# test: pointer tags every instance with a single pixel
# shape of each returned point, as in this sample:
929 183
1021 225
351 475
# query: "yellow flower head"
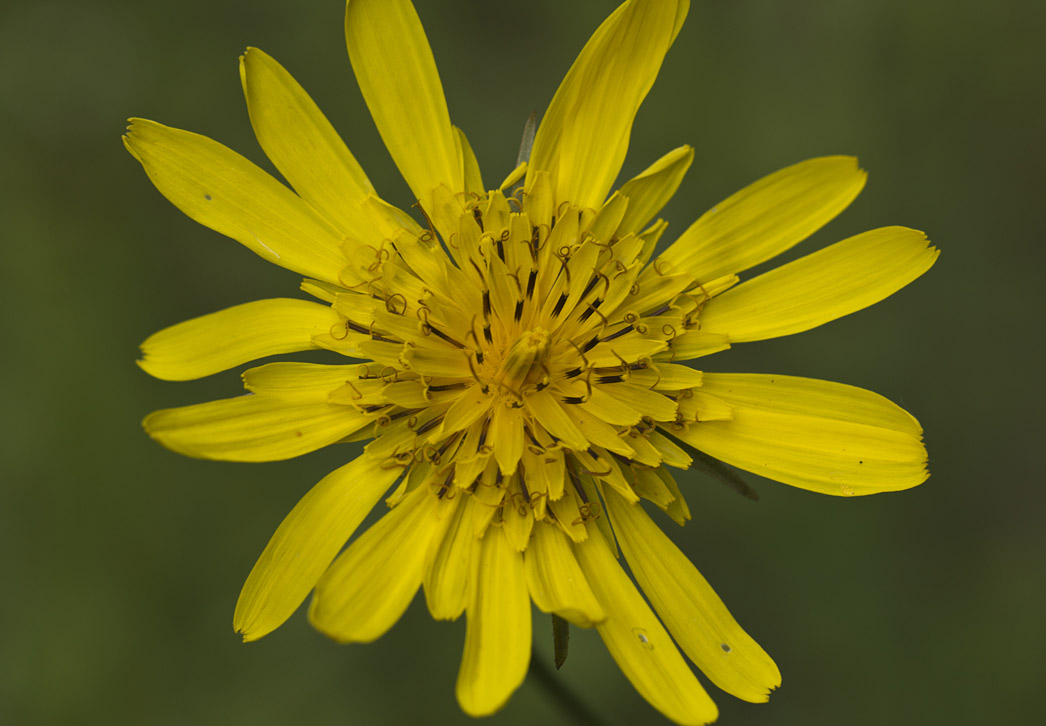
521 381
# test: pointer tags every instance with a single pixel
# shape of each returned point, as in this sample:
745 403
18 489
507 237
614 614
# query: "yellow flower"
522 377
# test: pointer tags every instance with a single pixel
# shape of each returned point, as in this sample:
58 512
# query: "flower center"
525 361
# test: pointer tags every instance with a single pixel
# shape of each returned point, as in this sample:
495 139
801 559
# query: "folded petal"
306 542
470 165
650 190
638 642
313 382
449 561
693 613
225 339
828 284
766 218
555 580
254 427
826 437
584 135
302 144
497 637
224 191
369 586
397 74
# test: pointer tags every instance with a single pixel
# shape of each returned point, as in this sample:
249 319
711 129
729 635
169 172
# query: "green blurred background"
122 562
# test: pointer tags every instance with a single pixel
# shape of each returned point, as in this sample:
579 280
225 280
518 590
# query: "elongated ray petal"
397 75
306 543
817 435
227 338
369 586
224 191
836 281
690 608
314 159
584 135
767 217
650 190
637 641
497 638
254 427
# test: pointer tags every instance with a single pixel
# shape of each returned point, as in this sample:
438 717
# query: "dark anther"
559 304
590 309
602 379
590 286
441 334
448 386
429 425
519 310
573 399
486 303
487 335
573 373
530 283
618 334
590 344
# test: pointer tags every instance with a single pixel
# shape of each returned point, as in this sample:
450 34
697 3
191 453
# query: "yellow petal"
766 218
693 613
555 580
650 190
638 642
506 437
227 338
548 412
306 543
397 74
224 191
369 586
497 638
254 427
817 435
473 177
448 562
305 148
305 381
584 135
836 281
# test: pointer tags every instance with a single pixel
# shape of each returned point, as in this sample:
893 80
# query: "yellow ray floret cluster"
517 361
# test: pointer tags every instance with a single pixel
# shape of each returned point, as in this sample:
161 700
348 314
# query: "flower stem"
577 712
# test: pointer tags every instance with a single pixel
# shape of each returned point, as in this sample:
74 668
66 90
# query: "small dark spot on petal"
207 197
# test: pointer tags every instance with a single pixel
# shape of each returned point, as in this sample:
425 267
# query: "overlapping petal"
497 637
766 218
306 543
827 437
255 427
369 586
314 159
637 640
690 609
828 284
